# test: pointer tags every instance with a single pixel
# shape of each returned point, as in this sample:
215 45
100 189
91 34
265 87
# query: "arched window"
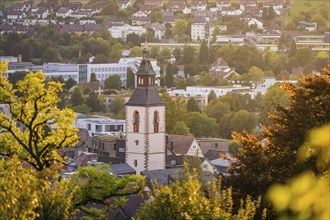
136 121
156 121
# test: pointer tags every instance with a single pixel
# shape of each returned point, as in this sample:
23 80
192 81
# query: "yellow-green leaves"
35 128
307 196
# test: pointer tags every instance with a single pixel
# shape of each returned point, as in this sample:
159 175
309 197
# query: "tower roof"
145 94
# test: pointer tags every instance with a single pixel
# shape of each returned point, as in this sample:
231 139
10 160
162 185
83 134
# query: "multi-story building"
199 29
100 124
66 71
102 72
121 32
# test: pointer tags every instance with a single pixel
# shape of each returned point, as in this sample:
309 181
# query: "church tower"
145 122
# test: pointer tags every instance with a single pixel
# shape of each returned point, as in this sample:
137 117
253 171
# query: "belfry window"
156 121
136 121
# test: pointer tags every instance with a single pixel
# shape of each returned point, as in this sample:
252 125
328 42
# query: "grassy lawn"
298 6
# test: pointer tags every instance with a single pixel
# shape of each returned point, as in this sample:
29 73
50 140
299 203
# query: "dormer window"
136 121
156 121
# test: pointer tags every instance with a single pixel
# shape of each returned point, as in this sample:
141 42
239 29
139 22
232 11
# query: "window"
121 150
98 128
137 142
136 121
114 147
216 146
205 166
89 127
156 121
135 163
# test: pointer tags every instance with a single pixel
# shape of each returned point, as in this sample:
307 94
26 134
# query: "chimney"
19 58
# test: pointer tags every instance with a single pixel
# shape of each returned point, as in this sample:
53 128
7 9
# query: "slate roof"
162 176
145 97
122 169
181 143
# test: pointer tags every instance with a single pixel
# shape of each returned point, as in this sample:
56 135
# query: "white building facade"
145 123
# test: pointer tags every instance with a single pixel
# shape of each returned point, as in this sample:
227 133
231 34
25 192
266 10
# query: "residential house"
215 144
147 8
199 5
63 12
124 3
140 21
223 3
222 166
220 69
168 17
40 13
255 22
16 15
230 11
81 14
176 5
155 3
208 15
183 145
140 14
199 29
308 26
103 145
244 4
159 29
22 6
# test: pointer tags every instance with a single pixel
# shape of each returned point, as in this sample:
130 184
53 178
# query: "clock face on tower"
145 122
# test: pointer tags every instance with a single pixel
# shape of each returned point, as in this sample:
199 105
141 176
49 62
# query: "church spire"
145 49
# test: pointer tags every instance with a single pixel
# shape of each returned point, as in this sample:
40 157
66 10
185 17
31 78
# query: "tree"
77 97
304 56
136 51
110 9
203 53
94 102
260 164
180 128
130 79
35 109
113 82
99 186
274 97
243 120
13 179
116 50
184 199
285 196
217 109
93 78
134 39
176 110
211 96
256 75
188 54
51 55
156 15
180 28
200 125
192 105
16 76
169 78
69 83
117 105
